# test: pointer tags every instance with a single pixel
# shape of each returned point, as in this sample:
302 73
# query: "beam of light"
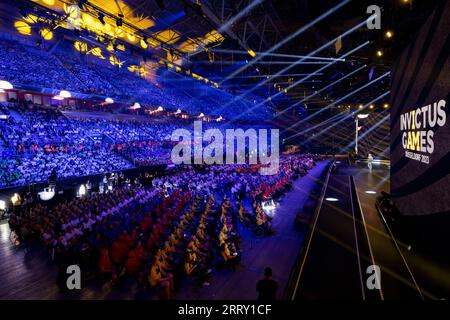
305 78
231 21
341 99
289 38
279 55
343 119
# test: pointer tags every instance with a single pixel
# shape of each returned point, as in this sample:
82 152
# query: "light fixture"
109 100
58 98
251 53
47 194
360 106
385 106
65 94
5 85
379 53
371 106
160 109
178 111
201 115
136 105
370 192
363 115
331 199
219 119
389 34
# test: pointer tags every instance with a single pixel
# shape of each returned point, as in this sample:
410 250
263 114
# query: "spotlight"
389 34
360 106
331 199
370 192
371 106
379 53
363 115
385 106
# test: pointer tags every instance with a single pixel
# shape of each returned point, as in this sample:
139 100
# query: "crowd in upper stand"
66 69
38 140
179 224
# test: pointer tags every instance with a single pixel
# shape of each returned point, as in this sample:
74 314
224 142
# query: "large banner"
420 138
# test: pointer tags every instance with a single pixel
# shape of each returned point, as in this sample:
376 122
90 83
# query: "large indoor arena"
228 150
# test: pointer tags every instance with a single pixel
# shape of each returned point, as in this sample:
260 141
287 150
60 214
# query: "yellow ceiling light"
47 34
23 27
389 34
143 44
379 53
386 106
371 106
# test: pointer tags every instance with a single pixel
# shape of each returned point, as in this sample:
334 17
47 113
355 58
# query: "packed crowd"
182 225
67 69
